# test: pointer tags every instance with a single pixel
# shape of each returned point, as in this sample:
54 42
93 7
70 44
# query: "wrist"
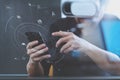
87 47
32 62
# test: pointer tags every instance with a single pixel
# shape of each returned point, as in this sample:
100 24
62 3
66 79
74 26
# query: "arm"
34 69
35 66
105 60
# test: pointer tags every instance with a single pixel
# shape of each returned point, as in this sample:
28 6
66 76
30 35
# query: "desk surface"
58 78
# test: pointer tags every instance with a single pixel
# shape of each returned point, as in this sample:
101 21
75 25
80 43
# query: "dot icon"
53 13
29 4
18 17
39 21
23 44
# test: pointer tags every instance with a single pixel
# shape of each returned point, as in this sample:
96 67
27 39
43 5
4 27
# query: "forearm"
34 69
104 59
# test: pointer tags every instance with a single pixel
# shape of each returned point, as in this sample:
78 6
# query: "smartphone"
32 36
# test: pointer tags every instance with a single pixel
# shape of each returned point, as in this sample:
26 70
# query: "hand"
72 41
36 52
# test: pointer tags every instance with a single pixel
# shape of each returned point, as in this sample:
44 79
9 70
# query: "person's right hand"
36 53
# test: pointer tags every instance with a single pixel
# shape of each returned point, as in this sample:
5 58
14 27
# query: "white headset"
79 8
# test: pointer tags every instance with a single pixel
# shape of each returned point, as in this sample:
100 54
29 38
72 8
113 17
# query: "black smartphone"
32 36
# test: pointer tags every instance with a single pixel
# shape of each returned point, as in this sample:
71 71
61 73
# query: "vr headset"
79 8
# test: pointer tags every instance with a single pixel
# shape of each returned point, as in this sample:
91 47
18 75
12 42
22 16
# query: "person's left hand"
72 42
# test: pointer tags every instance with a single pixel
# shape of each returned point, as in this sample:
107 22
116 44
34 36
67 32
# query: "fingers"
38 55
63 40
68 50
40 46
68 47
33 50
39 59
66 36
64 47
61 33
40 52
31 44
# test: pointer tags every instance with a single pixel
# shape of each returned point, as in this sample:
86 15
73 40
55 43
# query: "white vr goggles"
79 8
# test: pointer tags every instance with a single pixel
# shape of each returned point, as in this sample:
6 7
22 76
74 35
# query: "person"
94 62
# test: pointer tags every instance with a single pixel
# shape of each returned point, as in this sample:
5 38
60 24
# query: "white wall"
113 7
